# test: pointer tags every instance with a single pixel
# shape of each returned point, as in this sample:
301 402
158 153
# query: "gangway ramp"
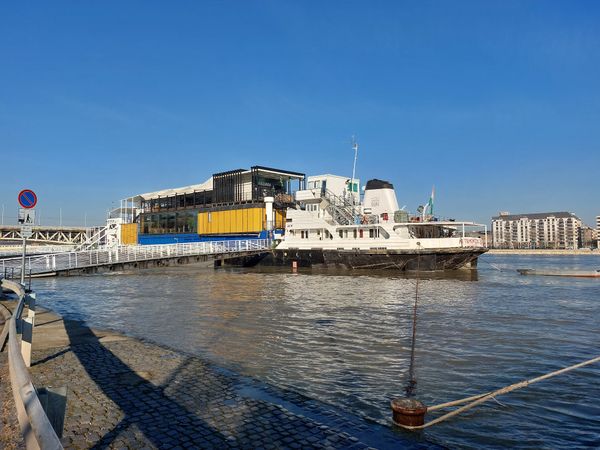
130 256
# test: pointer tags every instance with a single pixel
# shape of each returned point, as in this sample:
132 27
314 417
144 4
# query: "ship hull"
425 260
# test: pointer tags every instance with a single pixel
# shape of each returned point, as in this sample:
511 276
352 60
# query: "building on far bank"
552 230
598 231
588 237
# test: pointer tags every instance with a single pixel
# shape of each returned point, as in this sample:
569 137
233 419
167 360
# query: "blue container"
154 239
182 238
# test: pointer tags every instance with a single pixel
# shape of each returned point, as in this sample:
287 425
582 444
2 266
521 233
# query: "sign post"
27 200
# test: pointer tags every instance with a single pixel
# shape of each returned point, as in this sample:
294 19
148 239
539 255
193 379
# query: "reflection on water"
345 339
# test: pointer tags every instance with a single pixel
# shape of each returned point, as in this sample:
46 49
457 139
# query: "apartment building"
553 230
588 237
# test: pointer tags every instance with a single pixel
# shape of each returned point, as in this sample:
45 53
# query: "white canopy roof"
206 186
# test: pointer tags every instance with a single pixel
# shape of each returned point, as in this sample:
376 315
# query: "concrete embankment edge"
544 252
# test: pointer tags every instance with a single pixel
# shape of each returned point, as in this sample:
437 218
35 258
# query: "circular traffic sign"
27 198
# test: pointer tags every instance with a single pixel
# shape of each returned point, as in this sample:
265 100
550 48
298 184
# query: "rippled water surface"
345 338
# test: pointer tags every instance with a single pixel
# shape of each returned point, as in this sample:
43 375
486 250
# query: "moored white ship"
331 230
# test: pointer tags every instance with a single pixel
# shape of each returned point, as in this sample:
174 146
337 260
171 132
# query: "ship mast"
355 148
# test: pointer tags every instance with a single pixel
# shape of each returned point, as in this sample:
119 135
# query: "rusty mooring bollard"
408 412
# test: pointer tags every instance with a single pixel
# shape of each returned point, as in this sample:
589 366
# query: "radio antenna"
355 148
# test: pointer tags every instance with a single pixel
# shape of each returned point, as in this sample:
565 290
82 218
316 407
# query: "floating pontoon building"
236 204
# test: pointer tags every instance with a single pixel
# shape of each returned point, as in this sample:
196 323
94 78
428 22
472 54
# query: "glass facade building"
176 211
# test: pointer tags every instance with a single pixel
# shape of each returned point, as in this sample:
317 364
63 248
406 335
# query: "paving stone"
128 394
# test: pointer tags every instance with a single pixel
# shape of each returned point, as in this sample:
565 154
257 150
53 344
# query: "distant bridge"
130 256
48 235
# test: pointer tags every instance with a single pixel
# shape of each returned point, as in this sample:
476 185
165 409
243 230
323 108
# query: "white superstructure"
305 231
335 224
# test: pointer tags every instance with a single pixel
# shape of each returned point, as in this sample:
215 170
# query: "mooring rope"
412 382
478 399
500 269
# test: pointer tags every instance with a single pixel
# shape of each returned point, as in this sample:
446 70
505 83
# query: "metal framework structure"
48 235
88 259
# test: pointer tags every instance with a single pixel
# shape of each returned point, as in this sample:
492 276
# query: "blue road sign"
27 198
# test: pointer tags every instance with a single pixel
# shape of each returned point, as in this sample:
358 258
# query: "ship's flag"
430 202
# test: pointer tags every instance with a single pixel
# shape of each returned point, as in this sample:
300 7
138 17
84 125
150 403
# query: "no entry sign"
27 198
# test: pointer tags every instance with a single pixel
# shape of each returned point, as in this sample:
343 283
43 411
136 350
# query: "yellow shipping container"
129 232
226 218
232 221
255 216
279 219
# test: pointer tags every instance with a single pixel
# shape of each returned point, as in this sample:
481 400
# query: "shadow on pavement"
163 421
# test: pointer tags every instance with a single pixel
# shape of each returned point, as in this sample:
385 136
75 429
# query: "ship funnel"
380 197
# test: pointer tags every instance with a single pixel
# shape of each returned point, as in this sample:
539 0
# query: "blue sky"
497 104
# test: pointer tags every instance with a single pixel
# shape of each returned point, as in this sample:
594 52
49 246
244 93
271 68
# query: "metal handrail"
9 251
126 254
94 239
35 425
340 208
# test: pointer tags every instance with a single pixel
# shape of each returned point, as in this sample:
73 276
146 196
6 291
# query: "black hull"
426 260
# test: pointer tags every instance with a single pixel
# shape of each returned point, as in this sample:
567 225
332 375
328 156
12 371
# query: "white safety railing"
11 267
34 423
12 250
94 240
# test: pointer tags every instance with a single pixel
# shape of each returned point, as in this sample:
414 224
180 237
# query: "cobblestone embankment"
124 393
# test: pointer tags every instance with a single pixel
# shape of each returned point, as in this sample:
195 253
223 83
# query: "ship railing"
337 200
342 210
126 254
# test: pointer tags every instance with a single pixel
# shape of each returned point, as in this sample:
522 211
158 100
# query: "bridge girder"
47 235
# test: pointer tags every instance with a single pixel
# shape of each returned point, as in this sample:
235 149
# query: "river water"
344 338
